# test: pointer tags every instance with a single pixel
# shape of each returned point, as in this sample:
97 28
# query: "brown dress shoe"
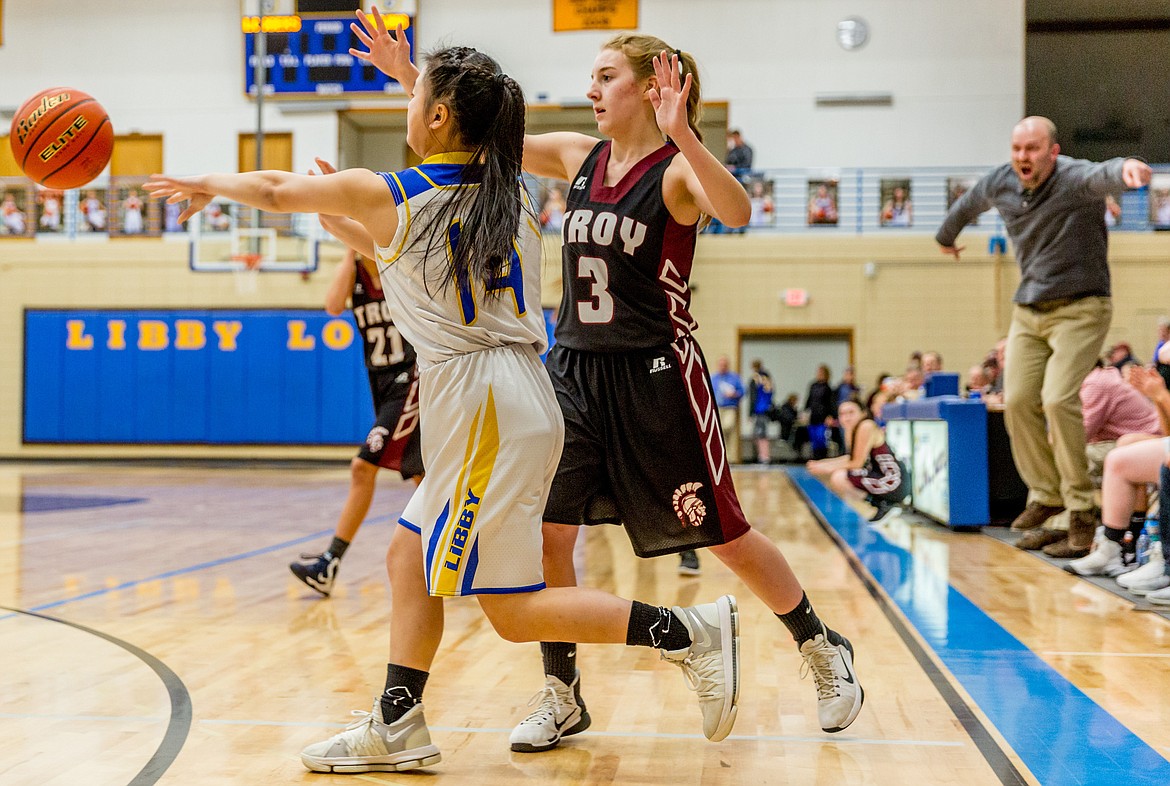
1039 538
1082 525
1034 515
1064 549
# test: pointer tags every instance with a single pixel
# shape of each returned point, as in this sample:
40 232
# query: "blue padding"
966 468
1061 734
942 383
44 348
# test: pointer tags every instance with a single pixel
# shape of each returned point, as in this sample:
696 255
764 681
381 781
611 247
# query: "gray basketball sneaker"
711 663
372 745
561 713
839 694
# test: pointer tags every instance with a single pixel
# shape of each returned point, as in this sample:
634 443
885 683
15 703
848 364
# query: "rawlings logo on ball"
687 505
26 125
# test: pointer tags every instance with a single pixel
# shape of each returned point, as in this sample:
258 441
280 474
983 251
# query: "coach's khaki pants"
1049 354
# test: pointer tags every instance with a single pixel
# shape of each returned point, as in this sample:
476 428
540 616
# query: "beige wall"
915 299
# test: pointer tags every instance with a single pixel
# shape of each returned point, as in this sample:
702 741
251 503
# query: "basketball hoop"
246 273
249 261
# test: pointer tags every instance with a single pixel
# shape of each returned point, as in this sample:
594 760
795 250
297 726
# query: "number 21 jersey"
626 261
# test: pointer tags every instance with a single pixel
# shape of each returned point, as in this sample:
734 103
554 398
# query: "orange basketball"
62 138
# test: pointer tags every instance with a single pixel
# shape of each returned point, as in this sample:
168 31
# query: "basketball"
61 138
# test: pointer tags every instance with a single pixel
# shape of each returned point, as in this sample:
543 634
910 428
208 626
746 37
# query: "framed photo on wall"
133 213
16 214
1160 200
50 205
956 187
897 210
93 214
763 209
822 203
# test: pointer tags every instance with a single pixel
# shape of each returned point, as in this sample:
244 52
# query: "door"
278 152
792 358
137 155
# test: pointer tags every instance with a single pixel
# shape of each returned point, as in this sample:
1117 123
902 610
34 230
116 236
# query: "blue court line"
192 568
1060 734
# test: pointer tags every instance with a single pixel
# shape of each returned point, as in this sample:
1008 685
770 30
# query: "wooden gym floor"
151 633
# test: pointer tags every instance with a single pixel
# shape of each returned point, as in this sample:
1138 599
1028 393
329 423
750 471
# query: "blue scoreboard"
308 52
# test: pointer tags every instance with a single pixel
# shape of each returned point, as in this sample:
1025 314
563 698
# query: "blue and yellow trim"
453 554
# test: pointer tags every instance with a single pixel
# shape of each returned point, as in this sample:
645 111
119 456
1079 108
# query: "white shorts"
492 434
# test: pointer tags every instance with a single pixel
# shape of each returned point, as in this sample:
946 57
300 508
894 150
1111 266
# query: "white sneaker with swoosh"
561 713
711 663
372 745
839 694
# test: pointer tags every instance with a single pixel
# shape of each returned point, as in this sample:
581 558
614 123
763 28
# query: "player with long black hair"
458 248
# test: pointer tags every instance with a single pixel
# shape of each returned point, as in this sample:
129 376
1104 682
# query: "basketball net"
247 273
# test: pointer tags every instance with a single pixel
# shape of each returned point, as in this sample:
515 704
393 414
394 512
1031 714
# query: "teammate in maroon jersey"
393 441
643 445
642 436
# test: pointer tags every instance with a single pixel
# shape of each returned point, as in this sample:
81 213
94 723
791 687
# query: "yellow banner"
594 15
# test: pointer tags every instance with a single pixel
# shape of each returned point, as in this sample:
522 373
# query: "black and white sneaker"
317 571
882 508
561 713
688 563
839 694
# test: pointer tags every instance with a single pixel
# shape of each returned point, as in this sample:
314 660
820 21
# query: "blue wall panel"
172 377
44 347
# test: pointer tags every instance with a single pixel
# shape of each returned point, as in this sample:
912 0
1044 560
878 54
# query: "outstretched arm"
357 193
705 185
965 210
348 231
558 154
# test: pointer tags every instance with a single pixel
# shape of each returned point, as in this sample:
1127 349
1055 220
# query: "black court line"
179 724
992 752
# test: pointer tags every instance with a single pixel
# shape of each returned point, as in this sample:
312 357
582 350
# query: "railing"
794 201
863 201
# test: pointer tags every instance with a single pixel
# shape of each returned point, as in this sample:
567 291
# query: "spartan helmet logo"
376 439
687 505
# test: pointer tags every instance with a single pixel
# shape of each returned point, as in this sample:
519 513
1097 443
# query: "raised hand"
180 189
326 167
1135 173
669 99
1147 380
954 251
390 54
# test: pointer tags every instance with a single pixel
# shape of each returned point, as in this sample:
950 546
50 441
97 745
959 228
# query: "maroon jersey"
626 260
385 348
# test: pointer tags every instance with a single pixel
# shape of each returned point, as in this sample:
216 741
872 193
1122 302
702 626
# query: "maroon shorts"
393 441
643 447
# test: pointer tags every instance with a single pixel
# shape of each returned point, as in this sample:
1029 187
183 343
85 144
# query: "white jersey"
451 321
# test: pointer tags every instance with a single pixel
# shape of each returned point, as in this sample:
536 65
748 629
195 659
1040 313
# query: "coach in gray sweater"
1054 209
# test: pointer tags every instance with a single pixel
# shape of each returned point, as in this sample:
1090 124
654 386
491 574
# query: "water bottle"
1154 535
1143 545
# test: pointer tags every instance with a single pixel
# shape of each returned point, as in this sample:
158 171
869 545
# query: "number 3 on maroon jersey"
598 310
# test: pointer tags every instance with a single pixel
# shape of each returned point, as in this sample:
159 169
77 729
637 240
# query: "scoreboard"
308 50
